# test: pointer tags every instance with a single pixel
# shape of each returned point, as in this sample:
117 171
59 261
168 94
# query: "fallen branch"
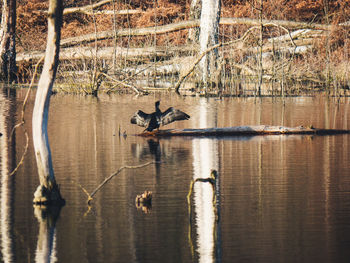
101 12
90 196
267 23
76 53
82 9
130 32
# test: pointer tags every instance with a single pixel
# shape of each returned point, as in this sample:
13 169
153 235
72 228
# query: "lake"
279 198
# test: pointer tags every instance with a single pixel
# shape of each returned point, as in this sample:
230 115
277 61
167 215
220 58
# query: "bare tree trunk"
48 191
195 13
8 67
261 72
209 31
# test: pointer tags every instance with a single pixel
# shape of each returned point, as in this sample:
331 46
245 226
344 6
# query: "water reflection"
152 148
205 158
46 244
7 190
281 198
160 151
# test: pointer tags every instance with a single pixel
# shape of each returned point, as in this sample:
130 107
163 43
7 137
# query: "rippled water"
280 198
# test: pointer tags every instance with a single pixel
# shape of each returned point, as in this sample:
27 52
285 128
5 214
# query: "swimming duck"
154 120
144 198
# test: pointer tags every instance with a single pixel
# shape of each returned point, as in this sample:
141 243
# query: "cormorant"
154 120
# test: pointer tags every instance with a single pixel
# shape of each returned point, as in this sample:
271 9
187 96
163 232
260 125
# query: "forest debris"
163 29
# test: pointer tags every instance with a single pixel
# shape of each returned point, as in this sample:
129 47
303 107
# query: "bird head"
157 104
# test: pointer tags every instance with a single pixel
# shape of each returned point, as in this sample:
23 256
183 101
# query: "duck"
154 120
144 199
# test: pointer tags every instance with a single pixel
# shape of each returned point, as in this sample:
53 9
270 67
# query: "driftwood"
244 131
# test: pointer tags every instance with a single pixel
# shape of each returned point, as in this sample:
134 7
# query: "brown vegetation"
324 63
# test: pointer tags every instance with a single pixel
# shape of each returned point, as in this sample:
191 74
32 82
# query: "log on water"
244 131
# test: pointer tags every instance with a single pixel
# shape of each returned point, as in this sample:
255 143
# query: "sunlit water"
280 198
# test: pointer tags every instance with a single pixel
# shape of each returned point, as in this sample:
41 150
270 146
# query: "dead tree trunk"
48 191
209 32
7 41
195 13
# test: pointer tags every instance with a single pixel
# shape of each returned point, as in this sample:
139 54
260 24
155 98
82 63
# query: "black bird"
154 120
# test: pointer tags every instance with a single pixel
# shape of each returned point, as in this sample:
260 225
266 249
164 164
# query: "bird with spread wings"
158 118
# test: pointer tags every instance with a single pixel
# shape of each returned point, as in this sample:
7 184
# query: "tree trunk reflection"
7 163
205 158
46 245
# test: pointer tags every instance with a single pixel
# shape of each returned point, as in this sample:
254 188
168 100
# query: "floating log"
243 131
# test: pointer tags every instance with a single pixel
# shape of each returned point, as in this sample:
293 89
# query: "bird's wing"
140 118
172 114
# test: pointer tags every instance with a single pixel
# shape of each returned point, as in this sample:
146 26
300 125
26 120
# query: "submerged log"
244 131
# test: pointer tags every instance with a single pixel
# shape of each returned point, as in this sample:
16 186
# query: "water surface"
280 198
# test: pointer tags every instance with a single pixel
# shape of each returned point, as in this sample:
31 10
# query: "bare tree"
8 67
48 190
209 32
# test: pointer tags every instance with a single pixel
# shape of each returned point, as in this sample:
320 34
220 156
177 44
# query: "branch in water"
90 196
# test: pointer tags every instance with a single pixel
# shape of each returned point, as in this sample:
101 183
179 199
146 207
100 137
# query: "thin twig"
285 29
84 190
90 196
123 83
